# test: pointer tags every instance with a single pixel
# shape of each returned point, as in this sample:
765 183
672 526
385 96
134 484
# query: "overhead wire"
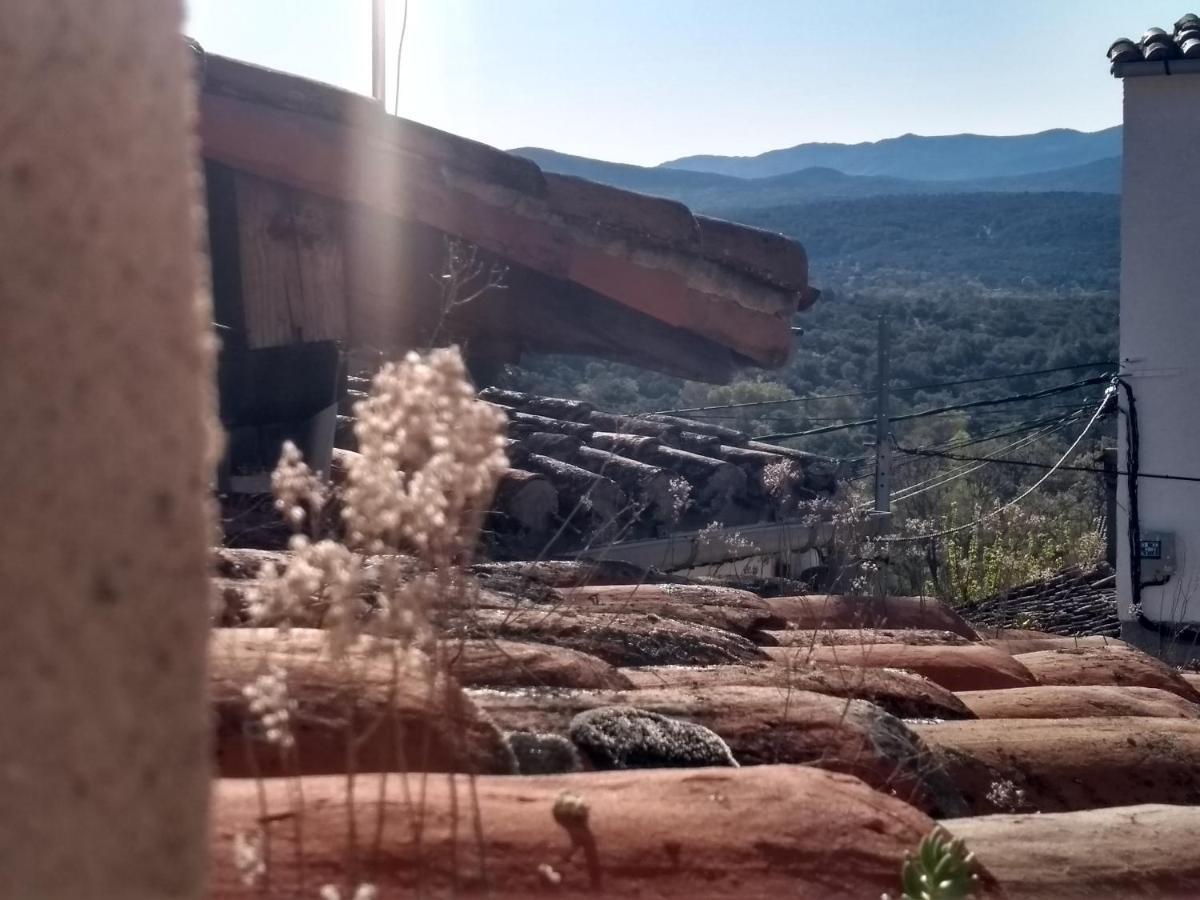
895 390
1036 465
1015 428
944 478
789 417
1020 497
937 411
1037 428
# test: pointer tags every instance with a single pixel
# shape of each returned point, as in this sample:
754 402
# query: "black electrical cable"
1179 633
1133 532
1026 427
1077 410
1036 465
894 390
1016 500
785 417
943 478
974 404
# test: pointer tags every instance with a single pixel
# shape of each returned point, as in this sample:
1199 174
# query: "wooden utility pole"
883 443
1110 505
378 52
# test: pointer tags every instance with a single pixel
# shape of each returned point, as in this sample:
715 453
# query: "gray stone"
625 737
543 754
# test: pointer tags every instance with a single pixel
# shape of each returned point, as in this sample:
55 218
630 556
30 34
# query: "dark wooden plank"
291 247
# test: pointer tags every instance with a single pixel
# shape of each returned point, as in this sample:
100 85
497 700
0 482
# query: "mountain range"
938 158
1056 160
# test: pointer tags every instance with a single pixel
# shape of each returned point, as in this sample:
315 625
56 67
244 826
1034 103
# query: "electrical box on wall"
1157 552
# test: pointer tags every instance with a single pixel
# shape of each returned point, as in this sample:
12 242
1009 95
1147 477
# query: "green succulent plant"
940 870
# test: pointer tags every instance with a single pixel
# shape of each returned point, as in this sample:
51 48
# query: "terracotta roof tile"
1159 52
583 477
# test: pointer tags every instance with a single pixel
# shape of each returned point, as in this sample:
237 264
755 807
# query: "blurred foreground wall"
105 448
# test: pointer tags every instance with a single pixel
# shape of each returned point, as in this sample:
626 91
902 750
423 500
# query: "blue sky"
644 81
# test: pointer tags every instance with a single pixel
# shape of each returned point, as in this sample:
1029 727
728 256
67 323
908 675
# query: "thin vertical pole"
883 444
378 52
1110 505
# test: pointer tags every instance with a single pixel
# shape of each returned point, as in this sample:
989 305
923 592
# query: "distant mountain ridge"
1047 229
715 193
924 158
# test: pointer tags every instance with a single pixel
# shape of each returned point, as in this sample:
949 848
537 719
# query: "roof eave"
732 285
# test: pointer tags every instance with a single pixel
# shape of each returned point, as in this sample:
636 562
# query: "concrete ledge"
1141 67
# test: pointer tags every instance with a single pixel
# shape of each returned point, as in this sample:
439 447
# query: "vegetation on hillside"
951 335
1052 244
976 288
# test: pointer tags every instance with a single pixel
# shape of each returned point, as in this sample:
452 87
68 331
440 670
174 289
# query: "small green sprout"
941 870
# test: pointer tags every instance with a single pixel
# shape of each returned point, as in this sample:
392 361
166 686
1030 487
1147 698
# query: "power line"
1014 398
790 417
1016 428
1033 487
894 390
1057 423
1037 465
751 403
1036 427
1088 402
784 417
1028 425
944 478
964 471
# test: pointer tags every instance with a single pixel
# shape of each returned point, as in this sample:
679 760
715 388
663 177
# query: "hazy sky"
649 80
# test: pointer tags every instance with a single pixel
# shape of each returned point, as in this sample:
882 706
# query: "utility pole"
883 440
378 52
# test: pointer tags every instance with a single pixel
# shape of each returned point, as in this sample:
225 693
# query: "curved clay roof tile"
1124 50
1186 23
1189 43
1155 36
1157 50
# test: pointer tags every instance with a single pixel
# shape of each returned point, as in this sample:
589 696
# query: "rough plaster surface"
1160 333
105 412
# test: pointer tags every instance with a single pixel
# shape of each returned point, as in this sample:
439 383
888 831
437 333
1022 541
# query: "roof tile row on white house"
1159 52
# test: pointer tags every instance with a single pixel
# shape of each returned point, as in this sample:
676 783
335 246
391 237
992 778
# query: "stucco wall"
105 457
1160 326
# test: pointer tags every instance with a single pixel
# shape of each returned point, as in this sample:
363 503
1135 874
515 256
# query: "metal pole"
378 52
883 442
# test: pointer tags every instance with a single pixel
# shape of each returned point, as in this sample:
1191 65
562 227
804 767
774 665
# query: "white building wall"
1160 328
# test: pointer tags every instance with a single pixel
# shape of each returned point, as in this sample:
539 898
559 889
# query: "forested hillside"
937 336
1037 241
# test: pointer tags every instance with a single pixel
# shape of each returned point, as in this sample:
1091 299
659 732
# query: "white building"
1160 336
